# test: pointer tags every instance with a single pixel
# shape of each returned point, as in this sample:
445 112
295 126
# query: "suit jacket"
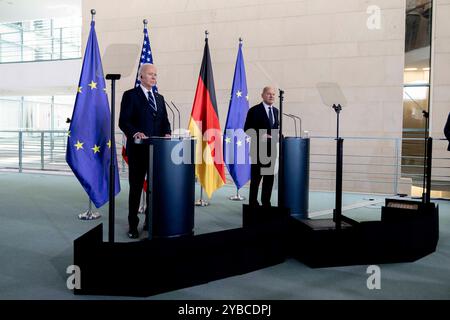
136 115
258 120
447 131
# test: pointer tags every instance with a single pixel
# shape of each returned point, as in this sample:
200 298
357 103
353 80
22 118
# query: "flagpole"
90 214
145 22
237 196
200 202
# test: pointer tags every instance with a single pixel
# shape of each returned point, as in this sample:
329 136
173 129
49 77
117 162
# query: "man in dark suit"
447 131
142 114
261 125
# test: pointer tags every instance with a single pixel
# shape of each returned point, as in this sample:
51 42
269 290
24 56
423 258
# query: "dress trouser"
267 184
138 168
264 172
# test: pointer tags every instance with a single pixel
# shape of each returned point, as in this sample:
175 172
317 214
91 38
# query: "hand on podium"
140 135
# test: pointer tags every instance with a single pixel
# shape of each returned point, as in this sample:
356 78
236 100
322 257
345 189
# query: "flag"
146 57
89 142
205 127
236 145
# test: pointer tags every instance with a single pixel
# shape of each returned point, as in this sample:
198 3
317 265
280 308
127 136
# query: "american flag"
146 56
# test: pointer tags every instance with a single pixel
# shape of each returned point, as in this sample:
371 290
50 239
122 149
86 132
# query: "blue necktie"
271 117
151 101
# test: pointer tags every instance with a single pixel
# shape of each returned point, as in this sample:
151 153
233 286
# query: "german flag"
205 127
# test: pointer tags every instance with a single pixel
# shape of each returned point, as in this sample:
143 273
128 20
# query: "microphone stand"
280 156
337 212
426 181
112 171
425 153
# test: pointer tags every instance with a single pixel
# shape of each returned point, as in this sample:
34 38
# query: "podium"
296 180
171 186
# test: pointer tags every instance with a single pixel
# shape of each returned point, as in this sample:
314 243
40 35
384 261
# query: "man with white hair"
263 120
142 114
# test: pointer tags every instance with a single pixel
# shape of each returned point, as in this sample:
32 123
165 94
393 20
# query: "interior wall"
292 44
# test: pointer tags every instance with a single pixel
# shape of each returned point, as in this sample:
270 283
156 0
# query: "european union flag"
89 144
236 144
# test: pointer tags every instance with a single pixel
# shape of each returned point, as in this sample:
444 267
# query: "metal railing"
373 165
378 164
41 150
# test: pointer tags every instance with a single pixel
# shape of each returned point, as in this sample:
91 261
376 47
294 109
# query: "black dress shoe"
133 234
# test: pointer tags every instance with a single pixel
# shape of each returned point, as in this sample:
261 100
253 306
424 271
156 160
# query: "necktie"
271 117
151 101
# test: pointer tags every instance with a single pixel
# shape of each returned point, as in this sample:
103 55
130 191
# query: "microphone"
173 113
295 122
179 123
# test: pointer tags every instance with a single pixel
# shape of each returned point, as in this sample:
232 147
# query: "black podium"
171 186
296 180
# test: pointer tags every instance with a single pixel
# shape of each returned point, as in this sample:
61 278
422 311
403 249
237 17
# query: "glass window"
40 40
10 113
416 86
63 110
35 112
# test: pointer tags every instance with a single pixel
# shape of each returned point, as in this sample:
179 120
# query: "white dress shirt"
146 93
266 106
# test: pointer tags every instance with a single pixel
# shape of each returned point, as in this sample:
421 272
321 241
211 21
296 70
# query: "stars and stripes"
146 56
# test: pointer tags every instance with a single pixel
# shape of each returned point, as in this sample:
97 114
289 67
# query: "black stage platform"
408 231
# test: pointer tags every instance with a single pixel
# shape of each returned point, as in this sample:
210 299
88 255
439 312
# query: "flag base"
89 215
237 197
201 203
